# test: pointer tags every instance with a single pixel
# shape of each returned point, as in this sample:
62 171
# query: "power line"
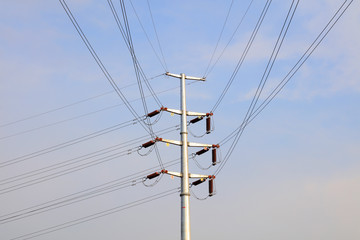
76 103
221 32
84 115
97 215
137 68
127 38
157 36
72 162
244 54
147 37
100 64
83 195
231 38
264 78
57 109
237 133
67 143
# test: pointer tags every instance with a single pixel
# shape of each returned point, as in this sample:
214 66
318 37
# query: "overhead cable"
217 43
100 64
244 54
96 215
231 38
237 133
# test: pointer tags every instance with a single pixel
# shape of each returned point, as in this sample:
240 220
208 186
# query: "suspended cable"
80 116
265 75
137 73
231 38
72 169
99 190
217 43
100 64
238 132
147 37
71 104
68 143
244 54
126 36
157 36
97 215
57 109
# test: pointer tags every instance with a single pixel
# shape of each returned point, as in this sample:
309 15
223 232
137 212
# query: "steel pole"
185 194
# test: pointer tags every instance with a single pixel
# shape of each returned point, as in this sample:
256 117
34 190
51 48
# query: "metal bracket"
192 175
186 77
179 143
190 144
188 113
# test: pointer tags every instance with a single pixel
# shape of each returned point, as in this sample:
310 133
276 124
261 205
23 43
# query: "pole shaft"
185 193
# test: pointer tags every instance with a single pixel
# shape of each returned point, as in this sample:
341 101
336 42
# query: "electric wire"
100 64
70 104
147 37
99 190
157 36
97 215
126 36
66 171
244 54
231 38
125 31
137 72
55 109
67 202
72 162
83 115
67 143
218 41
339 13
265 76
5 163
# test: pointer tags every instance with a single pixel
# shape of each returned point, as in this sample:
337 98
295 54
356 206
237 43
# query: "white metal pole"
185 194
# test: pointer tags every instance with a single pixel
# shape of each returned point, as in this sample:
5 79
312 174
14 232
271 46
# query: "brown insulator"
154 113
214 156
148 144
195 120
204 150
153 175
208 125
201 180
211 187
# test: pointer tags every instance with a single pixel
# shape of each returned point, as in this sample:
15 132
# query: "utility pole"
185 191
184 143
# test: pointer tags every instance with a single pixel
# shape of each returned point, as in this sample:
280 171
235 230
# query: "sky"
294 173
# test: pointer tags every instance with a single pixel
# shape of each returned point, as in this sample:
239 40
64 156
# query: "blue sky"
294 173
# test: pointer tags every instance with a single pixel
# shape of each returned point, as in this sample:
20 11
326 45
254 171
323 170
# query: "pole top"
186 77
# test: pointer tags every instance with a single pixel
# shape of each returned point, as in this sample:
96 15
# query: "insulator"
195 120
202 151
148 144
214 156
208 125
153 175
211 187
201 180
154 113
